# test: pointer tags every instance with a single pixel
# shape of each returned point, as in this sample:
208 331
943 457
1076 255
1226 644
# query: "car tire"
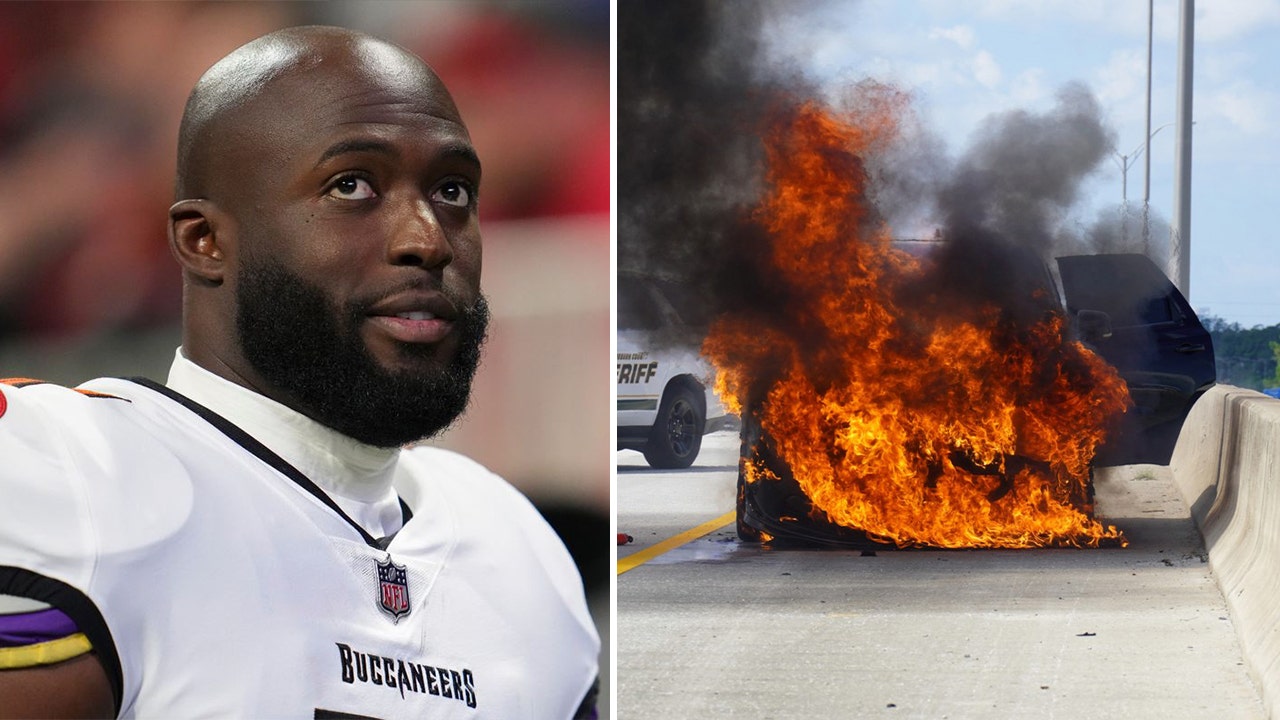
746 533
676 437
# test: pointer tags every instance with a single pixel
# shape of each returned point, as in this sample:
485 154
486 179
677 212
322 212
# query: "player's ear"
199 236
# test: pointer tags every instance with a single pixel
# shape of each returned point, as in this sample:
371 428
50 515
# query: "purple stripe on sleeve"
35 627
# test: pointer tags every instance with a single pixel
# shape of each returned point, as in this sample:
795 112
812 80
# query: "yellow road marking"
643 556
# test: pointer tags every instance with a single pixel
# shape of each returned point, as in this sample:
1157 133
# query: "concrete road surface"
717 629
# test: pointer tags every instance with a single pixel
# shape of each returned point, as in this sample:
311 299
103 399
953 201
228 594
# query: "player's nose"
417 238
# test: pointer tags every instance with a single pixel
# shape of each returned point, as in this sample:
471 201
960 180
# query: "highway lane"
715 628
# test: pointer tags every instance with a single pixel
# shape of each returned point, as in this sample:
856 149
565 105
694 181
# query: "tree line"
1247 357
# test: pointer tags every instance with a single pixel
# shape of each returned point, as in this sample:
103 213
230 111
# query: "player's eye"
454 192
351 187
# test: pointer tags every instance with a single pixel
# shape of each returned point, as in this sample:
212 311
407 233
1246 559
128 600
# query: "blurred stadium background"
90 99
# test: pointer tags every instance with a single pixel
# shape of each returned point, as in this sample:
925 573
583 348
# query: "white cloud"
1123 77
1106 14
1225 65
986 70
1225 20
1243 105
961 35
1028 88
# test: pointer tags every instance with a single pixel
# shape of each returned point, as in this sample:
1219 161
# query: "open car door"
1128 311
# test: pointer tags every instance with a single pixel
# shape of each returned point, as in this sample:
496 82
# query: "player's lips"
415 317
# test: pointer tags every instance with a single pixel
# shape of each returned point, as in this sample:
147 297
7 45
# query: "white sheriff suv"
665 397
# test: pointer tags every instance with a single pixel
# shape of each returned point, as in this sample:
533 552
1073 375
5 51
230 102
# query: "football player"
252 538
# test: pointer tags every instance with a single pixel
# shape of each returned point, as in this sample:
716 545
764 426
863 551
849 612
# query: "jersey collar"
358 475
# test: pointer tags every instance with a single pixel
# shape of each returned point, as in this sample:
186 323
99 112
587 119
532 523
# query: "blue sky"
964 60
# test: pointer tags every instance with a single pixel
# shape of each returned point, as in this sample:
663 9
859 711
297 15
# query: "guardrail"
1227 466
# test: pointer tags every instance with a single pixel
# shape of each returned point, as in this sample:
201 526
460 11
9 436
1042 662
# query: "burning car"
665 402
1125 310
956 400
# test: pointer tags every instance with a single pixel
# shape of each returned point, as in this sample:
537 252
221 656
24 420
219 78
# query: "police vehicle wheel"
676 437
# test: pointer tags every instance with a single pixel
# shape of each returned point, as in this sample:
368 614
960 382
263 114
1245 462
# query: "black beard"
311 352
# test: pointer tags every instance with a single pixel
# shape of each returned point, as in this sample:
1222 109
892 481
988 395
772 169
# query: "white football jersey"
215 580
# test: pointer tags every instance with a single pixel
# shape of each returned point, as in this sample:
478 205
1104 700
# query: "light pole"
1125 161
1146 178
1180 255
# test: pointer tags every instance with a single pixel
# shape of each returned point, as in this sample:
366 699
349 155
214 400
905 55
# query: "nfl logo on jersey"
393 588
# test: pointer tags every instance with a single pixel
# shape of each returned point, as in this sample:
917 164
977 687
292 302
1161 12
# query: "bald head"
252 92
327 227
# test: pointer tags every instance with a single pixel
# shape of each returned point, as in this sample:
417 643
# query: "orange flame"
952 428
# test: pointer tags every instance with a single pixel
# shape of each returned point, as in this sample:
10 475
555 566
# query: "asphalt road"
715 628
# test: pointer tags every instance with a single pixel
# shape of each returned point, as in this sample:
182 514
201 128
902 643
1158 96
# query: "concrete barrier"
1227 466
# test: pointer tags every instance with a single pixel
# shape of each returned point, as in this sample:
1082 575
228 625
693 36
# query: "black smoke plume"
695 95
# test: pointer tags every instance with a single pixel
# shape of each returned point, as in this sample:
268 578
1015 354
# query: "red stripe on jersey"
91 393
25 382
